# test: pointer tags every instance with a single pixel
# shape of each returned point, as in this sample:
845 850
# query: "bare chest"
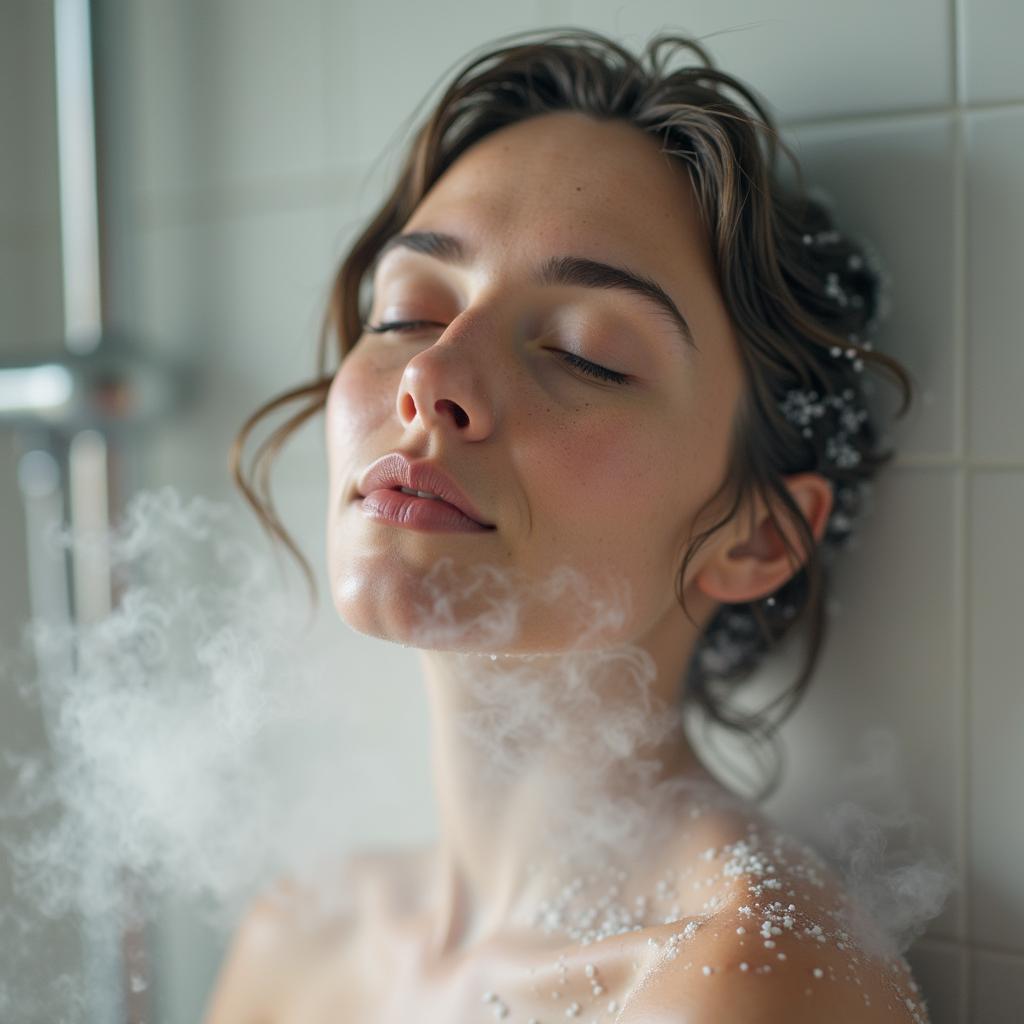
371 982
387 982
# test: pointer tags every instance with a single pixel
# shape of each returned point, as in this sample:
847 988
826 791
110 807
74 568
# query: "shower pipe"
79 420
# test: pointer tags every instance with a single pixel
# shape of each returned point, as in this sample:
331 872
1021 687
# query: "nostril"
459 414
409 407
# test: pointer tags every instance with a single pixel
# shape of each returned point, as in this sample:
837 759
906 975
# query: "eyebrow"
573 271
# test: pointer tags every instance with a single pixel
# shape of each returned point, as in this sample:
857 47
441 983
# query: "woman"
593 429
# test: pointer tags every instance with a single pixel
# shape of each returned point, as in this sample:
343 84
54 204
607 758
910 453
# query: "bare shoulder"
721 980
253 974
289 931
775 944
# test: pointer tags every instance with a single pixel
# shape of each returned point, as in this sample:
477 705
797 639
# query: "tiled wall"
252 140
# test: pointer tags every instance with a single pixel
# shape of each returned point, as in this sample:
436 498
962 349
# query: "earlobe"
745 564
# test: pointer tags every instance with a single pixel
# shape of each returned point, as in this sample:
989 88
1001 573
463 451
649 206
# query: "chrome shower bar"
76 146
74 417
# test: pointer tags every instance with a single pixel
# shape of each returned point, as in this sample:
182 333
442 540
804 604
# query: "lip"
396 470
427 514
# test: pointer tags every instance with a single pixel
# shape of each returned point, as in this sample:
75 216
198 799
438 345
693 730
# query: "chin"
474 608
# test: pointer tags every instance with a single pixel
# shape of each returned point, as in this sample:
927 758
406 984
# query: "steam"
196 744
162 729
199 741
895 882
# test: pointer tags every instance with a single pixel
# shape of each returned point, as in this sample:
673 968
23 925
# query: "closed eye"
396 325
584 365
594 369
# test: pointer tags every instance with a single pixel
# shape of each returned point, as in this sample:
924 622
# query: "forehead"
568 182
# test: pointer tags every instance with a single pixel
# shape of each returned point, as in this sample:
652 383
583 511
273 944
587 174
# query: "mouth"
418 484
417 510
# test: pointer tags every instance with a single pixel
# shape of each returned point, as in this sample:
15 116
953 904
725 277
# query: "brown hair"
780 264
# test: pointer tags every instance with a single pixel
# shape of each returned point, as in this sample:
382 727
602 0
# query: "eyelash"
584 365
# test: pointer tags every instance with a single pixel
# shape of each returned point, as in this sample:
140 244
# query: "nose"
442 390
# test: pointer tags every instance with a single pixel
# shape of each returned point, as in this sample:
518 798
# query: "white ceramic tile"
115 34
806 59
229 92
385 58
31 302
997 705
995 280
992 67
892 184
244 292
28 118
241 299
888 664
998 989
937 970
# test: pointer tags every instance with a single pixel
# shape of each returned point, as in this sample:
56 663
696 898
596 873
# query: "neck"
545 761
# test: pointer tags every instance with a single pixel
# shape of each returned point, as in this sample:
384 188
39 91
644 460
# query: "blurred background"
240 145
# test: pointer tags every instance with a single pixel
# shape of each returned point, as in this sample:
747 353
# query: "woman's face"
599 475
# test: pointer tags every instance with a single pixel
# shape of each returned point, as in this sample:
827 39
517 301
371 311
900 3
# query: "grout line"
865 118
962 490
948 944
329 186
958 53
960 299
941 461
962 655
327 58
897 114
996 951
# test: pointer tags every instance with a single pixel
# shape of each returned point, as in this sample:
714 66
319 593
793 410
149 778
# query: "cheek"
361 396
600 504
359 400
604 469
624 485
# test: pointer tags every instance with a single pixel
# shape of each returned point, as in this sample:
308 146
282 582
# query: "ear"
750 563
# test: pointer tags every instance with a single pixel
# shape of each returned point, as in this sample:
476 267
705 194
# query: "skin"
608 479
